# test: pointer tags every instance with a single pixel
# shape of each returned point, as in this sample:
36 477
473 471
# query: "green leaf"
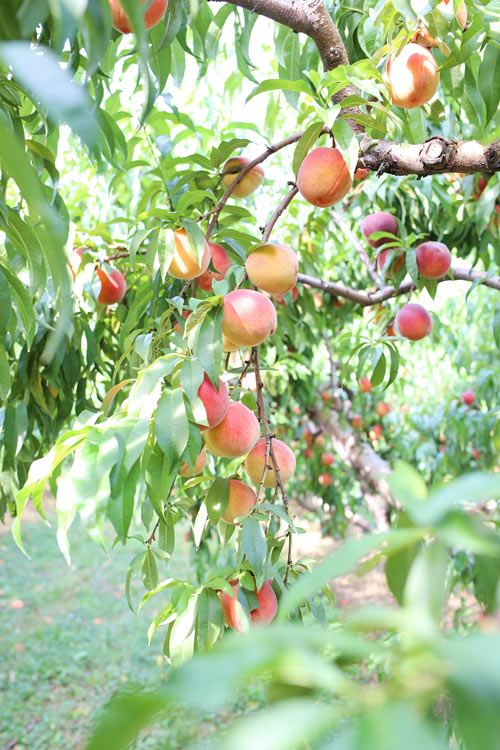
5 303
208 345
496 326
191 378
398 565
210 623
196 238
182 636
280 84
217 499
38 70
489 80
171 424
4 373
253 544
305 144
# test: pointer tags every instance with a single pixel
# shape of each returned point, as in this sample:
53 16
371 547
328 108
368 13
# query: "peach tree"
178 281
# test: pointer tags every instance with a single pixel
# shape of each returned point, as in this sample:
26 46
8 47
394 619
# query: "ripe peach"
256 460
468 397
199 465
264 614
397 262
475 454
327 397
250 182
242 499
433 259
319 440
297 410
318 300
216 403
113 286
357 422
390 330
382 221
413 76
360 174
479 188
376 431
323 177
220 261
325 480
228 346
235 435
308 453
327 459
413 322
273 268
249 317
461 12
184 264
153 15
382 409
365 385
280 300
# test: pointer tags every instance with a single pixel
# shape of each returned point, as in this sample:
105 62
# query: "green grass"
51 691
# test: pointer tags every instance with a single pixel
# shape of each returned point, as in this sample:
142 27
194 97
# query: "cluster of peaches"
381 409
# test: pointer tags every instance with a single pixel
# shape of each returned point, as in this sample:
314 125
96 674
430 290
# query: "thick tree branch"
364 299
435 156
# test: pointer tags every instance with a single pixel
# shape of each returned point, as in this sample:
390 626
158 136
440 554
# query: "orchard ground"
74 643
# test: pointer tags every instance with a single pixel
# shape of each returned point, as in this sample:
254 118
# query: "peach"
250 182
325 480
461 12
113 286
360 174
413 76
357 422
199 465
381 221
236 435
184 264
413 322
308 453
376 431
319 440
153 15
326 396
382 409
365 385
273 268
255 462
249 317
397 262
475 454
468 397
323 177
479 187
242 499
433 259
327 459
220 261
216 403
318 300
262 615
280 300
228 346
177 326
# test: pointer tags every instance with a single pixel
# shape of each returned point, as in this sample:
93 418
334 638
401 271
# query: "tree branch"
343 226
266 232
338 289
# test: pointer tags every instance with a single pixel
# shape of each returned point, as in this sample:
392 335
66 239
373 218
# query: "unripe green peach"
255 462
235 435
323 177
273 268
250 182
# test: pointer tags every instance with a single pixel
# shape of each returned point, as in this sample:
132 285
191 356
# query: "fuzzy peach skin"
323 177
199 465
220 261
184 264
273 268
228 346
256 460
382 221
216 403
468 397
242 499
413 322
152 16
264 614
113 286
433 259
413 76
235 435
327 459
250 182
249 317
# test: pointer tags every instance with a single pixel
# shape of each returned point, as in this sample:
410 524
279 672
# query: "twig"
266 232
339 221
